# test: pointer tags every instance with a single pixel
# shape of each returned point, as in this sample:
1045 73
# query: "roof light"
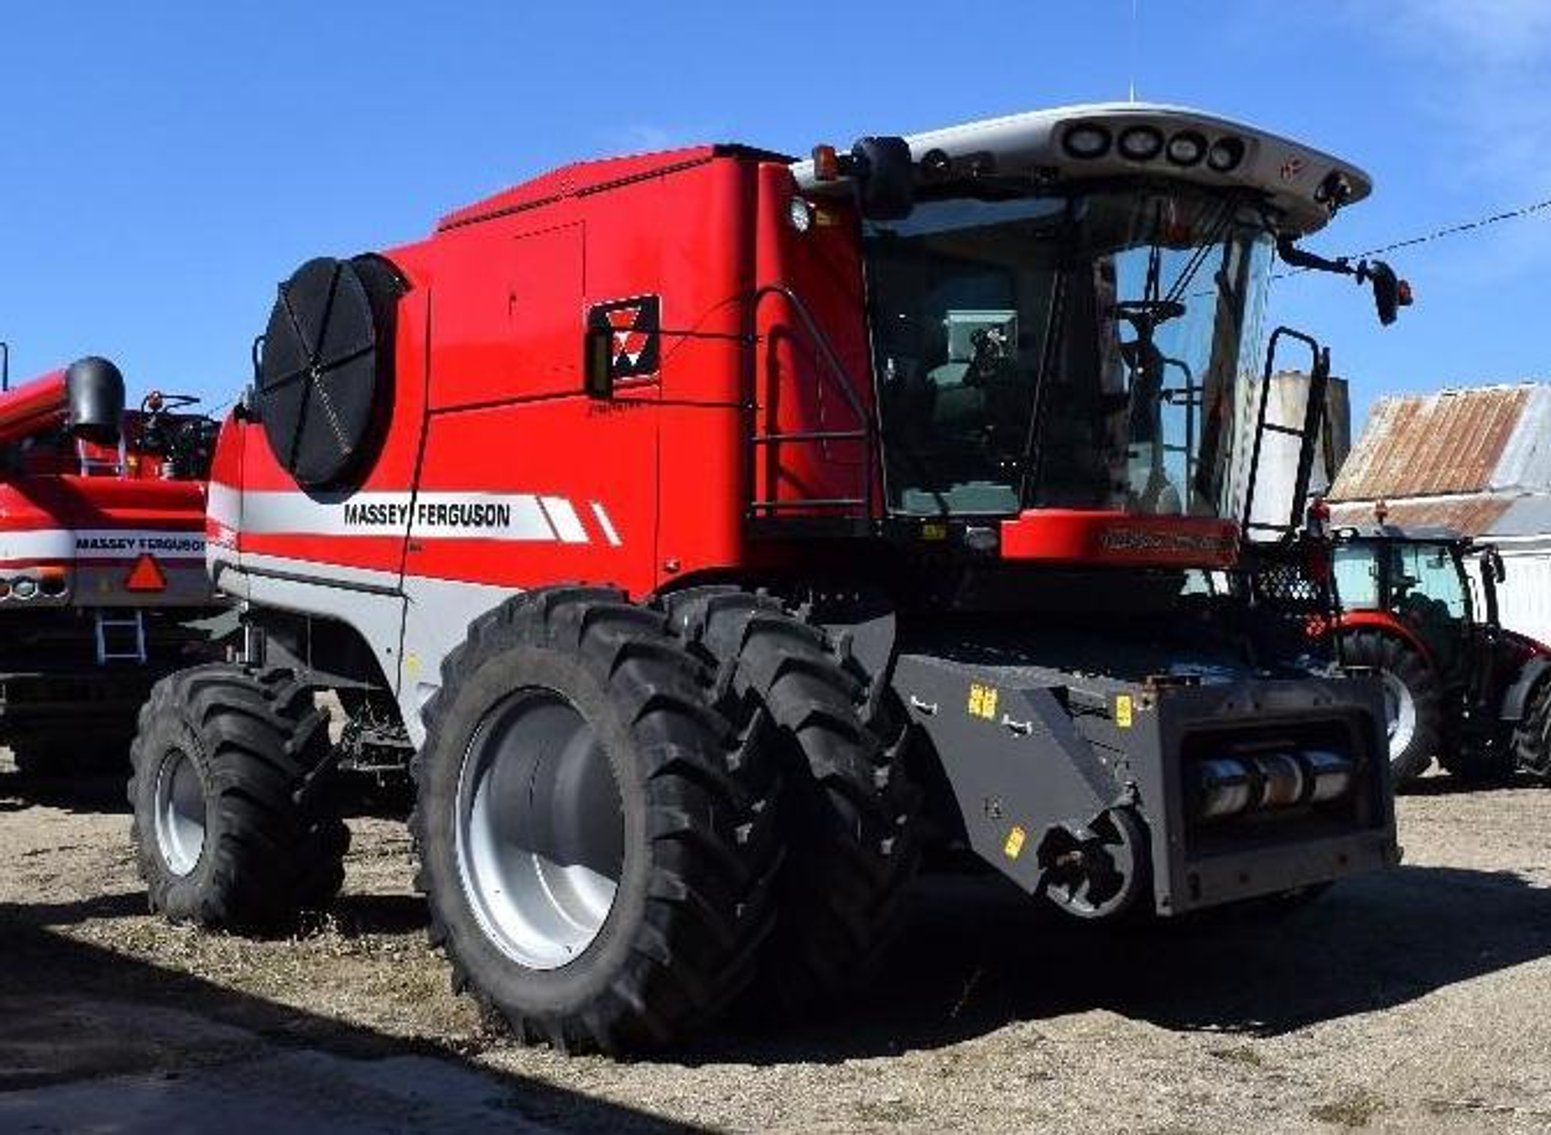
1086 142
1141 143
1186 148
826 163
936 164
1225 154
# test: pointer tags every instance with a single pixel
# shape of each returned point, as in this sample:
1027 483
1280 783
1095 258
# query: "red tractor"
101 559
1420 606
713 530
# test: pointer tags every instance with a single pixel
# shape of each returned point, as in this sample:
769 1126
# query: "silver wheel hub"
180 813
1399 714
539 830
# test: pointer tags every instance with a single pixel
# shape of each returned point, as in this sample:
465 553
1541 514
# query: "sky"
163 165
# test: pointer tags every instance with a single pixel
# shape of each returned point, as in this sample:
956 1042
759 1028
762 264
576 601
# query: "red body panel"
33 407
1067 536
798 382
1379 621
763 331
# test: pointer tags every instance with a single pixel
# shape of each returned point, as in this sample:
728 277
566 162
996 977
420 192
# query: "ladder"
120 637
1307 435
102 466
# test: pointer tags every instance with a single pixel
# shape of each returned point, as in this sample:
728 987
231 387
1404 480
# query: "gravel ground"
1415 1000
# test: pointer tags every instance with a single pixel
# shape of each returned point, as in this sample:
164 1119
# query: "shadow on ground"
102 790
1447 784
93 1038
976 955
99 792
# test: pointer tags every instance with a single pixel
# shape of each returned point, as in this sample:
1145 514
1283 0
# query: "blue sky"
162 165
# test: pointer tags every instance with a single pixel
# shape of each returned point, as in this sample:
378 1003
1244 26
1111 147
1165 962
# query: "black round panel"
326 368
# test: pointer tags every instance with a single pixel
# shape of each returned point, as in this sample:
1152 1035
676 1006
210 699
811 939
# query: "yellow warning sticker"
1123 711
982 701
1014 845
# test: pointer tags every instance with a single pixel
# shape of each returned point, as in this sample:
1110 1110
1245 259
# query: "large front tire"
235 825
1532 738
1413 701
847 808
595 853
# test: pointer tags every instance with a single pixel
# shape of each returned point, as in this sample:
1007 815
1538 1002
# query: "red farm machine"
101 559
713 532
1420 607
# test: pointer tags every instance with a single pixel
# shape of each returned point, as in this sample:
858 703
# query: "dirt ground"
1415 1000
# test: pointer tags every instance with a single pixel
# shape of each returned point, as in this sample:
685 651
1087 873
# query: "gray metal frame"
1056 752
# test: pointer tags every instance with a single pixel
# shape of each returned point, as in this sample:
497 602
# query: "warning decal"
146 575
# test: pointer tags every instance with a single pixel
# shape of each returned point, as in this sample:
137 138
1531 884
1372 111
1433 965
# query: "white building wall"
1524 596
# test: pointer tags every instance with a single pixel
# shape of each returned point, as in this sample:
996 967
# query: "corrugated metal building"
1476 460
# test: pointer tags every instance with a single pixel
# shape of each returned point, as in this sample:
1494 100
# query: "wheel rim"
180 813
540 830
1100 875
1399 714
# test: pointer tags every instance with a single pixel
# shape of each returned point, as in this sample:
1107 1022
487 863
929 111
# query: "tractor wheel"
234 821
1532 739
596 850
847 808
1413 701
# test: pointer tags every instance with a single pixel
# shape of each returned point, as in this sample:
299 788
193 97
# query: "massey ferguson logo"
636 326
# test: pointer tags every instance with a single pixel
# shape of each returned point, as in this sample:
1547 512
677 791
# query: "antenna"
1132 75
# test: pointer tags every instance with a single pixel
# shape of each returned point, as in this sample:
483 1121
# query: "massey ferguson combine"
101 559
717 530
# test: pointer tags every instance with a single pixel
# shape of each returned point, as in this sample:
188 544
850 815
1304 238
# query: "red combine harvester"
716 530
101 559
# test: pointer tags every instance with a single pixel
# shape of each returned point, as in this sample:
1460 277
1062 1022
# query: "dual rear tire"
235 825
595 847
625 816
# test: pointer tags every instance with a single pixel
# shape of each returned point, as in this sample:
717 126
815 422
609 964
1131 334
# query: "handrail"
837 376
1313 414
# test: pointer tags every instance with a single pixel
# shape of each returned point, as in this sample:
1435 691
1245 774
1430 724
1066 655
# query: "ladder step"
120 638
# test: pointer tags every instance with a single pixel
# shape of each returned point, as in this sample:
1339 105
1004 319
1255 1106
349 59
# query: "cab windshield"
1076 351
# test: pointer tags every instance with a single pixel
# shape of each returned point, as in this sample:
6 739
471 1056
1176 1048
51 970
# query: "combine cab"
101 560
1420 606
717 531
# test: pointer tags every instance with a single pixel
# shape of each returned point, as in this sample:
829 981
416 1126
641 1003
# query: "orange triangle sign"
146 575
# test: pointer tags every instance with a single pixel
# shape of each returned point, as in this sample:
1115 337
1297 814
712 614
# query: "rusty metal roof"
1469 515
1457 441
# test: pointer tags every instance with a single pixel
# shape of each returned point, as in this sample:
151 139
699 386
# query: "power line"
1437 234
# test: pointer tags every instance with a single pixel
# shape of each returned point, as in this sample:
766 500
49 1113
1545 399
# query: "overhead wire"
1435 234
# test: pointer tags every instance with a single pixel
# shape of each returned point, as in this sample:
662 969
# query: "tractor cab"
1424 579
1065 311
1421 606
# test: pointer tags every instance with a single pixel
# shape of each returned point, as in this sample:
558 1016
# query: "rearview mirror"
1390 293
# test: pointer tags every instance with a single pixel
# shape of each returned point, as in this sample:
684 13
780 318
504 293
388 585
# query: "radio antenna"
1132 75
